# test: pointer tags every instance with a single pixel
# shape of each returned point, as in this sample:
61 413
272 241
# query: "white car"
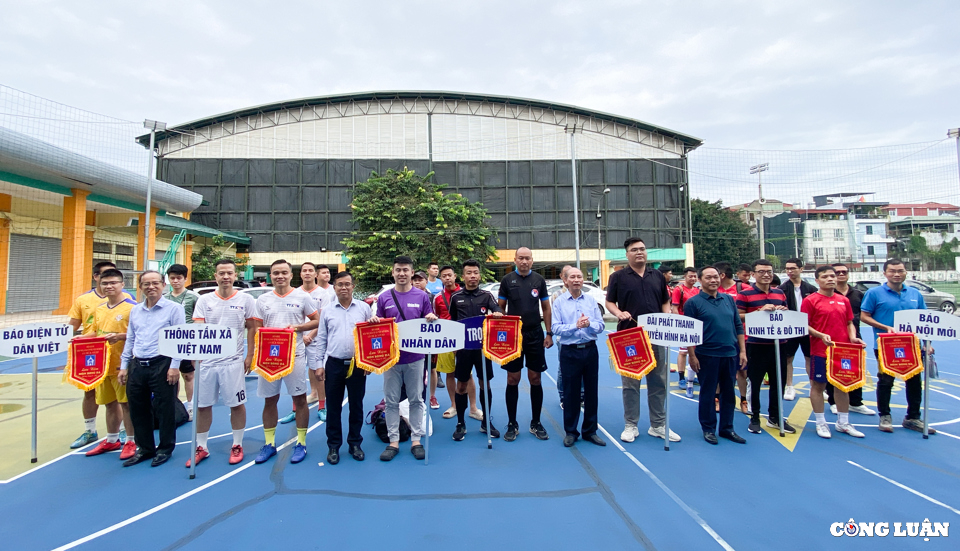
596 294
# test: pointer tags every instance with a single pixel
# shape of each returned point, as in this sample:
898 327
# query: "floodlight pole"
572 130
153 126
955 133
599 216
758 170
796 244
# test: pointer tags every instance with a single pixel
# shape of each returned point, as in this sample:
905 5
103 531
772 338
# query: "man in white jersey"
293 308
225 376
323 298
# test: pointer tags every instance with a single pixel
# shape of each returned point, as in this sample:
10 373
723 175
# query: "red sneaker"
236 454
128 450
434 404
104 447
200 456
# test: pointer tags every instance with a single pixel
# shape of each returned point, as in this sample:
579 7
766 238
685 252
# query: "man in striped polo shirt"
761 356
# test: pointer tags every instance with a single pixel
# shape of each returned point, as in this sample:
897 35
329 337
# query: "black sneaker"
460 432
754 427
494 433
537 430
787 429
512 430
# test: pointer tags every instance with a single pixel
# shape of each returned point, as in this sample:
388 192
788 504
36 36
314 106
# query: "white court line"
687 509
175 500
939 432
907 488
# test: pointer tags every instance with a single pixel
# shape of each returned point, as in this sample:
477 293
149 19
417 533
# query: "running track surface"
524 494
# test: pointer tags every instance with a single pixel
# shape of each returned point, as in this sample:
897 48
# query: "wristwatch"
549 333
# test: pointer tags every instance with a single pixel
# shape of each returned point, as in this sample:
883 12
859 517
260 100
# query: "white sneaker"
823 430
847 428
630 433
833 409
862 410
189 407
825 395
789 394
659 432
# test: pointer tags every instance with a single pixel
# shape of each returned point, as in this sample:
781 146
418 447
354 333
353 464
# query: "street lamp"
153 126
599 216
774 245
758 169
955 133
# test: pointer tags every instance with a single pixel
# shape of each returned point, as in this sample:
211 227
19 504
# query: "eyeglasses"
764 272
841 272
151 284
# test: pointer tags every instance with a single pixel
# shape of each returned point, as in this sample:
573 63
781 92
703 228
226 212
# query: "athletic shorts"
469 361
186 366
531 350
790 346
446 362
225 380
818 369
296 382
110 390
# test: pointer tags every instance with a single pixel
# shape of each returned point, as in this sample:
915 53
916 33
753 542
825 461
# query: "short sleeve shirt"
883 302
186 299
320 296
828 315
681 294
414 304
106 320
523 295
637 295
231 312
280 311
752 299
83 308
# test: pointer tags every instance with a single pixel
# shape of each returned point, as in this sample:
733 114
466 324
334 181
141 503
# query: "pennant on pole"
501 338
274 352
87 361
846 366
631 354
899 354
376 345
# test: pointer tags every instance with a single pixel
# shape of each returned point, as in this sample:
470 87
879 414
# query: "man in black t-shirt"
523 293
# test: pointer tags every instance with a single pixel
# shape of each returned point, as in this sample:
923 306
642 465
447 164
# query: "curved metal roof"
690 142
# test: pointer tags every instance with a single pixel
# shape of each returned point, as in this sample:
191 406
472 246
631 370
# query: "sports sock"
202 439
536 402
302 436
90 424
512 395
844 418
122 426
188 404
270 435
322 404
113 437
238 437
461 403
820 418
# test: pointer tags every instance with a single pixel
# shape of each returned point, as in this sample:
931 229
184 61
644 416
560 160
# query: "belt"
587 344
344 361
144 362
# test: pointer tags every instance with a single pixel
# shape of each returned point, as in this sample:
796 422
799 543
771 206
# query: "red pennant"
376 345
274 352
501 338
87 362
631 354
899 354
846 366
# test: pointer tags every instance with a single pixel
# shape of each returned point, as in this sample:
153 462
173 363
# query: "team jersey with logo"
281 311
85 305
231 312
322 297
681 294
106 320
828 315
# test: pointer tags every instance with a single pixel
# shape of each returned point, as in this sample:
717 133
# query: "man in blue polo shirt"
877 310
718 356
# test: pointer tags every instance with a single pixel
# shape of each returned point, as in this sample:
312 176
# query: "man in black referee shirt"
466 303
523 293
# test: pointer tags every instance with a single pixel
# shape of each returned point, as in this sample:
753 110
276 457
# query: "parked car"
372 298
204 287
596 294
934 299
256 291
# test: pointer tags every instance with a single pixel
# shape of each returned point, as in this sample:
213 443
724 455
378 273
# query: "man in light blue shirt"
576 323
335 343
877 310
150 373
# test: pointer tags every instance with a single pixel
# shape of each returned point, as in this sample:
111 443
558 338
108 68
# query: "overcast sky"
752 75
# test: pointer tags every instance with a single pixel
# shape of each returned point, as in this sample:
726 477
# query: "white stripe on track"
907 488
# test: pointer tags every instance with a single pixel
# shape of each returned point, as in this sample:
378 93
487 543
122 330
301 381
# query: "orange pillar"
73 279
188 257
91 221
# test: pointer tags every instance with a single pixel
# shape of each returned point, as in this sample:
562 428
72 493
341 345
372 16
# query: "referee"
145 371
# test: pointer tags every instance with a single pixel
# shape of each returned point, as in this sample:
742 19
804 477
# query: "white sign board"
930 325
420 336
32 340
672 330
198 341
778 324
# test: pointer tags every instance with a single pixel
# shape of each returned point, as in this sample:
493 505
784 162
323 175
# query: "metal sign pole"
777 369
926 390
487 394
427 418
196 418
666 403
33 427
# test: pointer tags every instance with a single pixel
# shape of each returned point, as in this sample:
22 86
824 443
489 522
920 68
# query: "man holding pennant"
831 322
718 357
636 290
877 310
225 377
404 302
576 323
286 307
339 373
467 303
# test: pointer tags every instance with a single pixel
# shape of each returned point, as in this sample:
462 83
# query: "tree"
401 213
204 259
720 235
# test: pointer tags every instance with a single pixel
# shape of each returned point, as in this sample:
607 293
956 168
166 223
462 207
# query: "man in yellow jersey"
81 317
110 320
